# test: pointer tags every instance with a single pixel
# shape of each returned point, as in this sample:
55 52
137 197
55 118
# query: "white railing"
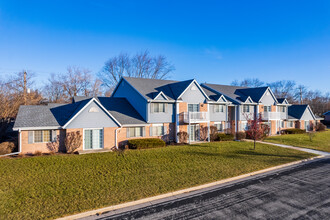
271 115
195 117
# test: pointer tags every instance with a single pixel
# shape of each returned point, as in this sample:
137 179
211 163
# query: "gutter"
116 138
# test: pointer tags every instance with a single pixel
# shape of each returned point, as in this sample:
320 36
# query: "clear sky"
211 41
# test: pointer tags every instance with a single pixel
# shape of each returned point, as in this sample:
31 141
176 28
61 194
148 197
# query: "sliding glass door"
93 139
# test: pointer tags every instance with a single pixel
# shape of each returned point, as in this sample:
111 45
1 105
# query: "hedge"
293 131
145 143
225 137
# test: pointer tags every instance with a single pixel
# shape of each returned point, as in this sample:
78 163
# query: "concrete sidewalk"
297 148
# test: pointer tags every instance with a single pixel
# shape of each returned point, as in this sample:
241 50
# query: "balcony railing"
271 115
195 117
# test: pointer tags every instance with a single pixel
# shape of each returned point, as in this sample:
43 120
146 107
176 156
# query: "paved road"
300 192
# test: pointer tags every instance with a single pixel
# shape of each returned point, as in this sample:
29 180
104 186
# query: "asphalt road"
300 192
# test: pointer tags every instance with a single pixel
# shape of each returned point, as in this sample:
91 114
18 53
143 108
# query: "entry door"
194 133
307 125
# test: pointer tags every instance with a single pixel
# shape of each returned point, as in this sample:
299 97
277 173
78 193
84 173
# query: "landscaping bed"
53 186
319 140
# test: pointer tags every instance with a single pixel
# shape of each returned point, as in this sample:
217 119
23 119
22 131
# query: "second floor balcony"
196 117
271 116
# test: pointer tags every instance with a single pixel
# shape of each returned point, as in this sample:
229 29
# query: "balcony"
271 116
195 117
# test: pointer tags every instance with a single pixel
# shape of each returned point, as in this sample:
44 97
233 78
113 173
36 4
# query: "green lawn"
53 186
321 141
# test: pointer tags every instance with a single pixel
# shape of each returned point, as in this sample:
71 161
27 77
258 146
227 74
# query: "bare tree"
75 82
283 89
141 65
248 82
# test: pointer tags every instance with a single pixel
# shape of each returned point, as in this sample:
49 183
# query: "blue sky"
211 41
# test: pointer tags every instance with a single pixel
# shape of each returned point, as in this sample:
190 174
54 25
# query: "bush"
37 153
213 133
183 137
6 147
294 131
145 143
240 135
73 141
320 127
225 137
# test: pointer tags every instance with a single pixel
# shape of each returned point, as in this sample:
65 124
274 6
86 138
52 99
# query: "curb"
179 192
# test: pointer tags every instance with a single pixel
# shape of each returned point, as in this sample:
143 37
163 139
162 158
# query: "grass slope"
321 141
53 186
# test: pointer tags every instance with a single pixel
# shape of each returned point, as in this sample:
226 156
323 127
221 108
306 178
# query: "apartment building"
140 108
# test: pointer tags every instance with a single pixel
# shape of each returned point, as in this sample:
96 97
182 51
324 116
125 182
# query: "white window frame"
136 127
218 108
246 108
268 108
157 126
156 106
83 136
222 126
42 136
194 104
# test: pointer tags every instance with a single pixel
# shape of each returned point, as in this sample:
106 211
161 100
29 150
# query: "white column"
176 121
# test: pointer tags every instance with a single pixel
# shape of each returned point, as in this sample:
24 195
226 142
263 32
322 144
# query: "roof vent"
93 109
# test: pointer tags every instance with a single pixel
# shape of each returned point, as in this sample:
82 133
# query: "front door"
194 133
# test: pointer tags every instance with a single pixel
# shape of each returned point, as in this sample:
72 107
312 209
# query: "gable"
268 98
161 96
193 94
92 116
308 115
248 100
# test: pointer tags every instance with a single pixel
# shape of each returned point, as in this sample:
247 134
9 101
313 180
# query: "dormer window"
93 109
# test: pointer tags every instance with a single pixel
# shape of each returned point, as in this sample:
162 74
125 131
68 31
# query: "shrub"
320 127
213 133
183 137
225 137
73 141
37 153
240 135
145 143
294 131
6 147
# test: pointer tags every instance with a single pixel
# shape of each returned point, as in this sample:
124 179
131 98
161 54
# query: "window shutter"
54 136
30 139
127 132
143 131
165 130
152 107
150 130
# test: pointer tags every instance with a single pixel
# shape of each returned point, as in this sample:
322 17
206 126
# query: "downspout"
116 138
20 141
236 125
176 121
208 122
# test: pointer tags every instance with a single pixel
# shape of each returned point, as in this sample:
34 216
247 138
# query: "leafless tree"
253 82
75 82
141 65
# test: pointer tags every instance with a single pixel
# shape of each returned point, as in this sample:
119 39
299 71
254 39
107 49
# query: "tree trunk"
254 144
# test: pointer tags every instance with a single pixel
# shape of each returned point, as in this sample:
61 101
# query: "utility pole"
24 87
300 95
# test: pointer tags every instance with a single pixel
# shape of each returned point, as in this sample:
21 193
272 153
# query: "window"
135 132
157 130
267 108
282 108
244 126
41 136
93 138
219 127
46 136
246 108
218 108
158 107
193 107
290 124
37 136
282 124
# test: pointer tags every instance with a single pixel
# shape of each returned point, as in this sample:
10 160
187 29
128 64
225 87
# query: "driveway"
298 192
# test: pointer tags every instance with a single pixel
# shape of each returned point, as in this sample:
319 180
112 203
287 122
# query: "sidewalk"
295 148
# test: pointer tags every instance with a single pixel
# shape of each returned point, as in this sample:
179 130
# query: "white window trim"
42 135
83 136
